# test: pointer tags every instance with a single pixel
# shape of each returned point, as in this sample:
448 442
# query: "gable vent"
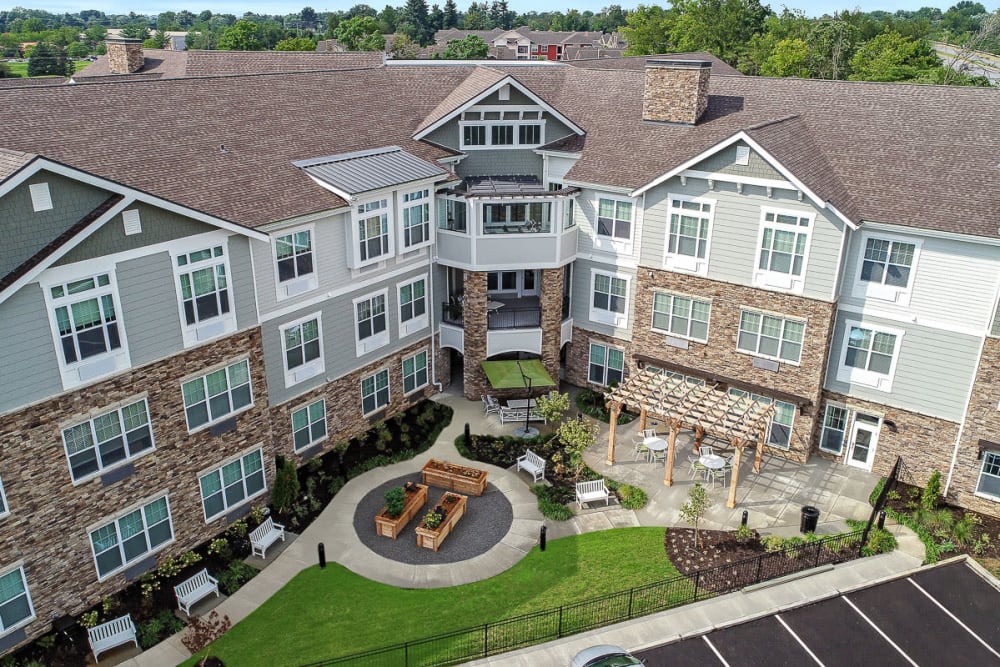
131 222
41 199
743 155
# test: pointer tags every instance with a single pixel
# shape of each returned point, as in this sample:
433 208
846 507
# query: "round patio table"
713 461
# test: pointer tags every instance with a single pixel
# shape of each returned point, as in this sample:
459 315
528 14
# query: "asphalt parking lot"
941 616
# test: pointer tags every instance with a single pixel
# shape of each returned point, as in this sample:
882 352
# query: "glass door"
864 437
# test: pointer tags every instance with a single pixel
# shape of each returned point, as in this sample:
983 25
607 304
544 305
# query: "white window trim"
94 414
88 370
880 291
113 518
428 200
226 509
19 566
308 369
489 124
685 263
607 349
427 364
326 421
773 280
205 373
619 320
413 324
355 237
979 479
388 389
3 498
299 284
822 428
611 243
221 325
865 377
784 319
674 295
735 391
375 341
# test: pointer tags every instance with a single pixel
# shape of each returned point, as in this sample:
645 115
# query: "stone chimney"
676 91
124 54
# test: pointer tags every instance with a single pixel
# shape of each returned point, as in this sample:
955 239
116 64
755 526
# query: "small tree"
552 406
576 435
471 48
295 44
932 492
694 509
286 485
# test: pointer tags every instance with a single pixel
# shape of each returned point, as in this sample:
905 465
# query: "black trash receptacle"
810 517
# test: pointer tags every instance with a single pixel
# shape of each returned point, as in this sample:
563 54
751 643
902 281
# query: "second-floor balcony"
502 313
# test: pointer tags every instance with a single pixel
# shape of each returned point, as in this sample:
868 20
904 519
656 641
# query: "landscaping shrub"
631 497
151 632
551 503
286 485
237 574
592 403
932 492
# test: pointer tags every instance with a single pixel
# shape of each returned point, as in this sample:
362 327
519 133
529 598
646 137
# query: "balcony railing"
501 318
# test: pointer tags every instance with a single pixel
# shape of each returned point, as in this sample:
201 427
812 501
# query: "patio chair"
491 405
705 450
713 475
640 447
649 433
696 465
659 456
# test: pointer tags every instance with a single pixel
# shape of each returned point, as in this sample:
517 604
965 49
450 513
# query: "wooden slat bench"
533 464
264 535
191 590
590 491
111 634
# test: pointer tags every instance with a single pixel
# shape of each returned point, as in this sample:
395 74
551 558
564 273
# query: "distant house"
526 44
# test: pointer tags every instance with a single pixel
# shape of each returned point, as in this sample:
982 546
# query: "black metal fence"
542 626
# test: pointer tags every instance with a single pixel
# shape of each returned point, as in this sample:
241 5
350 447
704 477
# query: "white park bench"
533 464
113 633
191 590
264 536
518 415
590 491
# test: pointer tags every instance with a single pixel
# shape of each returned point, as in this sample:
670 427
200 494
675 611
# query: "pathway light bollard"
881 520
467 435
541 538
322 555
743 521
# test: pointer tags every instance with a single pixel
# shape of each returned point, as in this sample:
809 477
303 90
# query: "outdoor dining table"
521 403
655 444
712 461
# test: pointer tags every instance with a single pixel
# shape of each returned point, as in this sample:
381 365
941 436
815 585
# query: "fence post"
760 563
818 549
406 654
486 639
697 580
559 633
631 592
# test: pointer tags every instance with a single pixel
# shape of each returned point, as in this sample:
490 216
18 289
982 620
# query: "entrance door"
864 437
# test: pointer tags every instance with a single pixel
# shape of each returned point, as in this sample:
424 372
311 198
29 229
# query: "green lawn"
21 69
323 614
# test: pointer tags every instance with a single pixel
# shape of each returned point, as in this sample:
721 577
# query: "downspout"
965 418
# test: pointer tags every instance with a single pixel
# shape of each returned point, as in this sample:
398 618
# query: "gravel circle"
487 519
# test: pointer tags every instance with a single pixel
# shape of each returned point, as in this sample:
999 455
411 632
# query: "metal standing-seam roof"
364 171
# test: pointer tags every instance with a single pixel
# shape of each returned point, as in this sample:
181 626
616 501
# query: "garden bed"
594 404
448 511
388 526
454 477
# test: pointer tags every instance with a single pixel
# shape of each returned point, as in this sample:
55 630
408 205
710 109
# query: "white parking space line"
879 630
715 651
799 640
954 618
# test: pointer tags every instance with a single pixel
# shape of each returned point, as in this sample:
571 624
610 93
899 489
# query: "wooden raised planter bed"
431 538
454 477
389 527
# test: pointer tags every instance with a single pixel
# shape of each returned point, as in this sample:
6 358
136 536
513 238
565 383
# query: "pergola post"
614 409
759 455
642 419
699 433
668 476
734 478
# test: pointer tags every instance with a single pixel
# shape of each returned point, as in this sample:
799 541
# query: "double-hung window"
609 303
607 364
370 322
87 327
373 231
213 397
782 249
108 439
16 608
780 433
989 475
412 306
414 372
295 260
614 219
205 294
303 345
834 429
416 218
688 234
309 425
869 355
375 392
233 484
770 336
681 316
887 266
131 536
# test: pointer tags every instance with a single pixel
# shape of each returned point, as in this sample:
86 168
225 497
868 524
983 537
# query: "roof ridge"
772 121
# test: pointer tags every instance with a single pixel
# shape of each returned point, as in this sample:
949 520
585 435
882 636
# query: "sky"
282 7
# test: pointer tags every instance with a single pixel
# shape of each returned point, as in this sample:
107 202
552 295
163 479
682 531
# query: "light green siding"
582 297
150 312
724 162
29 370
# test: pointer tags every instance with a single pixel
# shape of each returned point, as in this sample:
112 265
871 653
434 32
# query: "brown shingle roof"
12 161
639 62
478 81
160 62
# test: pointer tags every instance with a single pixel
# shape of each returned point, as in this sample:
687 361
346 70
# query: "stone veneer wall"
474 326
577 366
551 319
344 419
47 528
674 94
125 56
925 443
982 423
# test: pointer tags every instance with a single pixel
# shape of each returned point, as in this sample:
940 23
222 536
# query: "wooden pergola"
741 420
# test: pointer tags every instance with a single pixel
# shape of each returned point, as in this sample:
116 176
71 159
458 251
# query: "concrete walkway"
773 498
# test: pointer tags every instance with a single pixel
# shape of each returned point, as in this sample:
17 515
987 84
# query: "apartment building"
200 274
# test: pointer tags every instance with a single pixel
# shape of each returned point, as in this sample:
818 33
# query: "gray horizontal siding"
242 281
151 315
724 162
582 297
585 213
933 373
735 229
29 369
